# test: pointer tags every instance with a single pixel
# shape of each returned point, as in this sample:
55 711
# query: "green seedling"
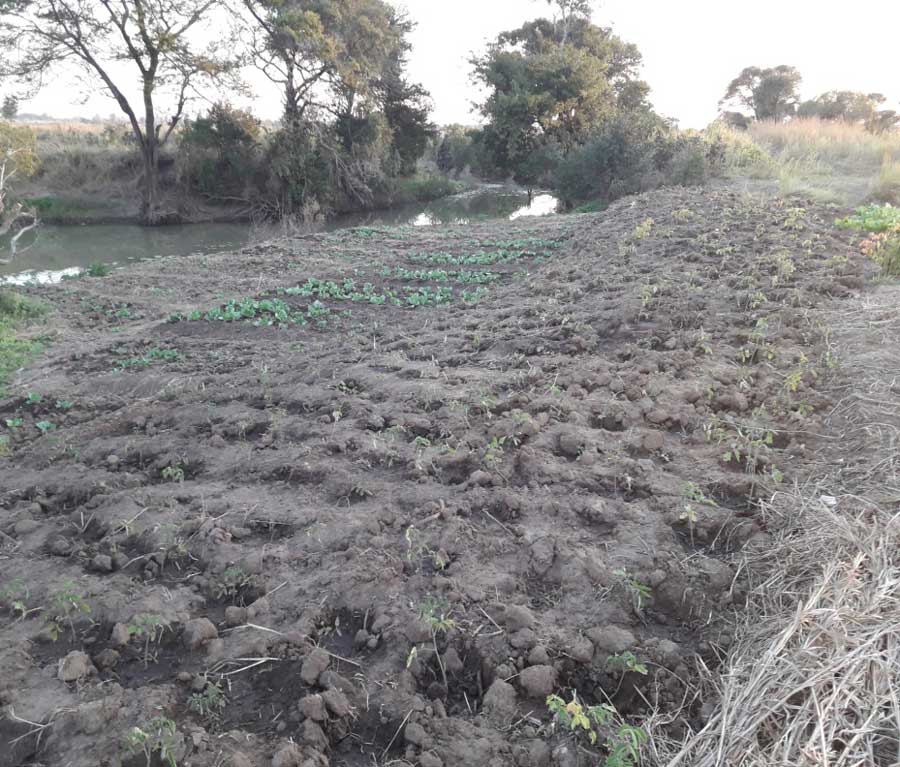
149 357
623 749
45 426
640 593
173 473
436 614
14 423
65 606
233 580
157 738
629 662
150 628
33 398
210 702
64 404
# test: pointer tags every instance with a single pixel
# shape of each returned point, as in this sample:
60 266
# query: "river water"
59 251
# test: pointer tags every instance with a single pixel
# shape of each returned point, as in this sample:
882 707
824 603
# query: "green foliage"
150 357
424 189
156 739
872 218
549 86
209 702
771 94
14 352
10 107
173 473
624 741
96 270
66 605
219 153
853 107
150 628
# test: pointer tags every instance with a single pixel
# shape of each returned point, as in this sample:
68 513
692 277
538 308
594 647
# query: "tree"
771 94
569 10
318 51
10 107
444 159
549 85
160 39
18 159
851 106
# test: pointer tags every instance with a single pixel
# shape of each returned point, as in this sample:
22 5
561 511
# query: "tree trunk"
151 214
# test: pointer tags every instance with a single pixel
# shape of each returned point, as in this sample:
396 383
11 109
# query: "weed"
474 296
65 606
150 628
642 230
173 473
149 357
95 270
232 581
639 592
209 702
436 614
623 748
629 662
158 736
884 250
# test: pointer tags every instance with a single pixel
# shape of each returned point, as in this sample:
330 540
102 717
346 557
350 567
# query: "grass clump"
425 189
15 310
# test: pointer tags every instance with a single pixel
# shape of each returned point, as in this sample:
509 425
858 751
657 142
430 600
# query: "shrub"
219 152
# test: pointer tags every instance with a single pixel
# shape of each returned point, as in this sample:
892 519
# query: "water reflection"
59 251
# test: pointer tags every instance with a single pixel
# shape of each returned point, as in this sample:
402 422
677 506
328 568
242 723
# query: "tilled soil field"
371 497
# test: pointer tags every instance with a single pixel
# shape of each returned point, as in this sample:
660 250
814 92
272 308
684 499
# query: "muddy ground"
380 521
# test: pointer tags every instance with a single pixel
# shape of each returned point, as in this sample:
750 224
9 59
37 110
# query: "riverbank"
57 252
393 487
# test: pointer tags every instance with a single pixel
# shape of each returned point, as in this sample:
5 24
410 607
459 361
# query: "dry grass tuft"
838 145
814 676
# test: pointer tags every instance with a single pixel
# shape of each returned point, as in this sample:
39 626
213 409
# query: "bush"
629 154
425 189
219 153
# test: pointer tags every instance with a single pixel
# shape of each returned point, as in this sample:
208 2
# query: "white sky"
691 48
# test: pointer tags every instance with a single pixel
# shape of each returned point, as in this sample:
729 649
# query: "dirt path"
370 497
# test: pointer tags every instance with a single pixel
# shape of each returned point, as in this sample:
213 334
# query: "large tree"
165 43
771 94
318 51
549 84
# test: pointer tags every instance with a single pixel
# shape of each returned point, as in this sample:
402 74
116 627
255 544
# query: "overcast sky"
691 49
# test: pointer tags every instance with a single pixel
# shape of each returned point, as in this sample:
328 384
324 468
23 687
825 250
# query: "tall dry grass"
832 161
813 678
834 144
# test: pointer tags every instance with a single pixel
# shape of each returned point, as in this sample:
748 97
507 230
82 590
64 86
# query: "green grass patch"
15 310
61 209
425 189
595 206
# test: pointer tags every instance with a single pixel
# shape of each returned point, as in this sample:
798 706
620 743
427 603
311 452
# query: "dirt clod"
74 667
500 703
314 665
538 681
198 632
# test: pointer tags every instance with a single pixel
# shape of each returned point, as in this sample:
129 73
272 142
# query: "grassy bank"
15 352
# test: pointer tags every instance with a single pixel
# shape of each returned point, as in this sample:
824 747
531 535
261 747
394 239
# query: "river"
60 251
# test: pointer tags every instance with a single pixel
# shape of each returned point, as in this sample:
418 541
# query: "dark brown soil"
536 483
